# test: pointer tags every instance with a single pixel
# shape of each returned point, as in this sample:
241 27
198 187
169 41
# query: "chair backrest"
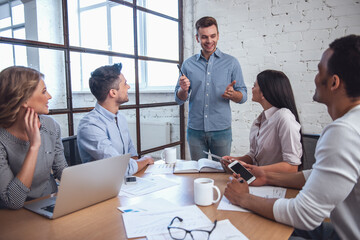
71 151
309 142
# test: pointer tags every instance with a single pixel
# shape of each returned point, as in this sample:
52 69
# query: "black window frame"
67 49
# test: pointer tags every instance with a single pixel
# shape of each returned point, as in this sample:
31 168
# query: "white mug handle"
161 155
218 194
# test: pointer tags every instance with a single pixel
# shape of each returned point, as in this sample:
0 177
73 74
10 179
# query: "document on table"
161 168
151 204
224 230
140 224
146 185
264 191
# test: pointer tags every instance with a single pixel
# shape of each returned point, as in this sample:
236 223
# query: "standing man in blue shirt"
104 132
210 80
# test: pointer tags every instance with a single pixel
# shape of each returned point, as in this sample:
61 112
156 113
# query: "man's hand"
229 91
258 172
184 83
148 159
235 189
144 161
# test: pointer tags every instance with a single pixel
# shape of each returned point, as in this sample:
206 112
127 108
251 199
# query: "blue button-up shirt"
101 136
208 110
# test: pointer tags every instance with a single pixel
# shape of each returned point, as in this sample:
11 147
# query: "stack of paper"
145 186
147 223
152 217
224 231
160 168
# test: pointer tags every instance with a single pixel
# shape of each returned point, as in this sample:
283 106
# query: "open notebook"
202 165
84 185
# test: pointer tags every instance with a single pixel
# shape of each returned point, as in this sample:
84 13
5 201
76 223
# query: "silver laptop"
84 185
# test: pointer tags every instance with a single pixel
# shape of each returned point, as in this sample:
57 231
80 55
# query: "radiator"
153 134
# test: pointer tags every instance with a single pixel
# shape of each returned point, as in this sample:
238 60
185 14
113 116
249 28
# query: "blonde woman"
30 143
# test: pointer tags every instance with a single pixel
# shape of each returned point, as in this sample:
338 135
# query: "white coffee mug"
169 155
204 193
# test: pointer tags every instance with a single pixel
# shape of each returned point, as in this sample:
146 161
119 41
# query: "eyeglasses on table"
179 233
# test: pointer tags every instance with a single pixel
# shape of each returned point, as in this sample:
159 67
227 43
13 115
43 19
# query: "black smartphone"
130 180
237 168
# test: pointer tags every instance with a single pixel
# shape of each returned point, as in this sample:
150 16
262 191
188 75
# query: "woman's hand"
32 127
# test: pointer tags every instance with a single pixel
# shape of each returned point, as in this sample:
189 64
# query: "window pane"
162 74
168 7
161 79
20 56
86 3
62 120
18 14
88 26
93 26
19 33
48 62
77 117
43 21
5 22
82 64
122 29
158 37
6 50
6 33
130 115
159 126
52 64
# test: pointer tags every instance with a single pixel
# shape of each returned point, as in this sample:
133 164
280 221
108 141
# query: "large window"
66 40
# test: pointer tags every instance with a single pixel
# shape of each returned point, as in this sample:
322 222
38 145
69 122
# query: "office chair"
309 142
71 151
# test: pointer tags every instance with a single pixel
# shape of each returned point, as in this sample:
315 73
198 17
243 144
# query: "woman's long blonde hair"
17 84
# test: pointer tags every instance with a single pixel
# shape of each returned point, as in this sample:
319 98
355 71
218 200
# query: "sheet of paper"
224 230
264 191
140 224
146 186
151 204
160 168
225 204
268 191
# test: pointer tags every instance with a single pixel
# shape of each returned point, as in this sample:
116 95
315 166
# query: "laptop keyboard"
49 208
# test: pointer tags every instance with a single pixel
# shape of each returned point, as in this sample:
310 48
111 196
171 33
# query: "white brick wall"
286 35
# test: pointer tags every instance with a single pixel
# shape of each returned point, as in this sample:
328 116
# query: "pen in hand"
180 70
217 157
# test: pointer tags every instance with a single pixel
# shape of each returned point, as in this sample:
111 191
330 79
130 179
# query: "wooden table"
104 220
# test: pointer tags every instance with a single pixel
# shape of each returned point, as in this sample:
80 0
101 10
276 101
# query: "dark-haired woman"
30 143
275 136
